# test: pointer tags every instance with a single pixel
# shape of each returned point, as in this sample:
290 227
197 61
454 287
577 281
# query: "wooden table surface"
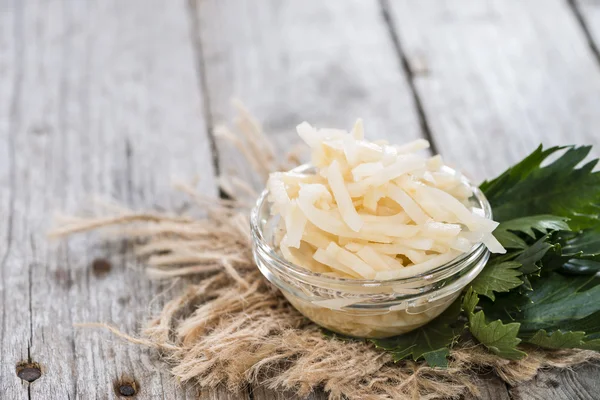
118 98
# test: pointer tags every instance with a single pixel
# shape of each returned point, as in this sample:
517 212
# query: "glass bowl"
364 308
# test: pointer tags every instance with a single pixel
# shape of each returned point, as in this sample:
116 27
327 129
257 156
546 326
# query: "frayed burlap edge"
233 329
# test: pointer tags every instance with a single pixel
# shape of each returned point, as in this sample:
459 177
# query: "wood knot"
29 371
126 387
553 383
101 267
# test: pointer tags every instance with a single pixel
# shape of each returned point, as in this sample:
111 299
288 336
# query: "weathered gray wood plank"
490 388
580 383
95 98
496 78
100 97
263 393
302 62
221 394
324 62
588 14
327 63
14 318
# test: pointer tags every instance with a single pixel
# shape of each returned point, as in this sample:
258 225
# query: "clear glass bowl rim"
260 242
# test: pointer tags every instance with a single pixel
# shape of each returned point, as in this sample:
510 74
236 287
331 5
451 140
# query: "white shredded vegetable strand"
295 221
372 210
408 204
358 131
342 197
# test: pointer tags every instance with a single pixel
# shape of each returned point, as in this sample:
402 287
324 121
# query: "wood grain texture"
222 394
580 383
105 97
490 388
324 62
263 393
95 98
588 14
497 78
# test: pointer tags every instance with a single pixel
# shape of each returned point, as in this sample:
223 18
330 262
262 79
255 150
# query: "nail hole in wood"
101 267
124 300
126 387
63 278
29 371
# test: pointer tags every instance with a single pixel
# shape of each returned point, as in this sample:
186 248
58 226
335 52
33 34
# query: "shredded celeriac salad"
372 210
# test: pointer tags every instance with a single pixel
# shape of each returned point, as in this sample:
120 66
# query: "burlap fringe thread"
234 329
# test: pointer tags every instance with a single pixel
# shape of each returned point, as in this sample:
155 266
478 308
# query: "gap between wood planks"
411 74
49 166
210 123
425 128
203 87
408 72
404 67
200 73
574 5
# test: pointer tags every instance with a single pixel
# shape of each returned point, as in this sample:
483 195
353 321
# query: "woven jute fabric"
230 327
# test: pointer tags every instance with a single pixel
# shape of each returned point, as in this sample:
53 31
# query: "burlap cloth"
233 328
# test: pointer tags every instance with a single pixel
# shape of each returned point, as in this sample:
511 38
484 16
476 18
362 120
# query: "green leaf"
527 254
470 301
517 172
430 342
592 344
579 253
585 244
530 258
509 240
506 231
528 225
581 266
589 324
557 299
526 284
561 339
556 302
437 358
499 338
550 308
558 339
559 188
499 277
